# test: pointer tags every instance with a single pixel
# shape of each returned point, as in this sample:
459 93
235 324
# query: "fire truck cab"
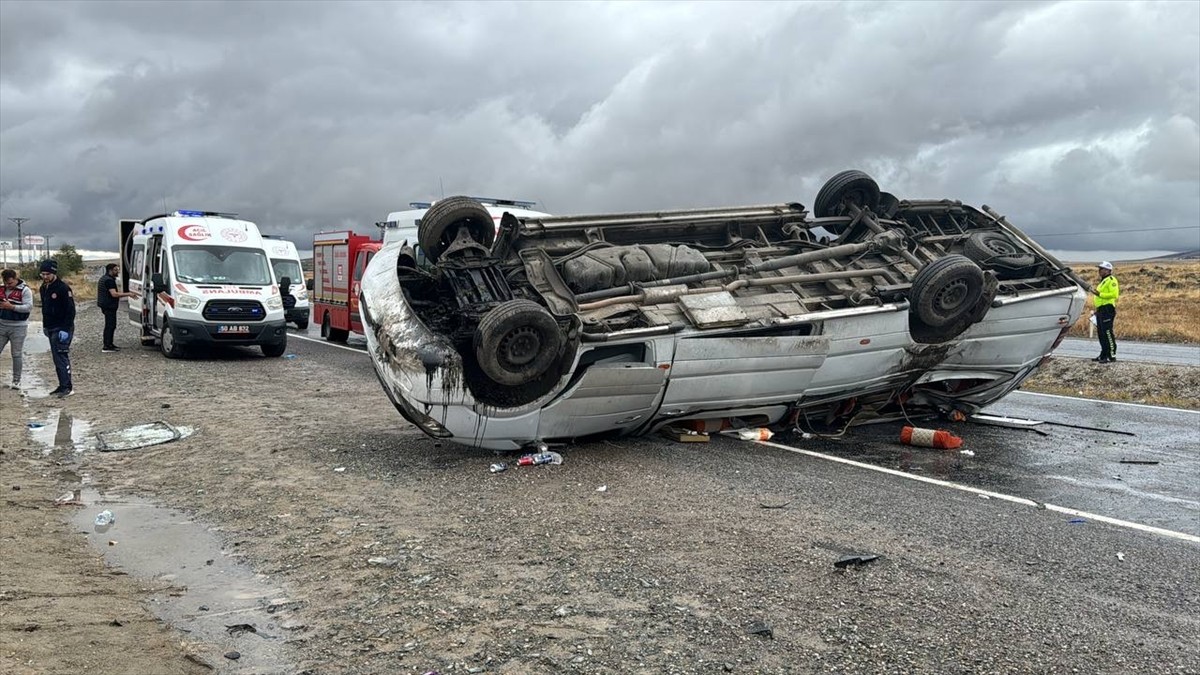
339 259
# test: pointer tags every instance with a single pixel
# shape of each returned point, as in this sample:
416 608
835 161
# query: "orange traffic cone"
929 438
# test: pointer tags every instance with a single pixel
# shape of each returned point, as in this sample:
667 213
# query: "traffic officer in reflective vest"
1107 292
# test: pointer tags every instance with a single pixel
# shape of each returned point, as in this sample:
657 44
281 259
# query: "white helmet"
1105 266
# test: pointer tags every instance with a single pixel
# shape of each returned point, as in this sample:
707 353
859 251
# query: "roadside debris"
761 628
602 488
105 518
141 436
1139 461
233 656
498 467
540 458
339 469
774 506
35 425
848 560
1076 521
966 453
1087 428
929 438
686 435
239 629
1120 556
381 561
74 498
1007 422
758 434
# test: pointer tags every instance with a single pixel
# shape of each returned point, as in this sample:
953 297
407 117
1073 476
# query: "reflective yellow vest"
1107 291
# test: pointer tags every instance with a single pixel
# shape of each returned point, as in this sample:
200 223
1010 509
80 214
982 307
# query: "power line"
1140 229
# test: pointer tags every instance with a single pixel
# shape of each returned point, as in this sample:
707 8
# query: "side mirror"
308 284
285 285
156 280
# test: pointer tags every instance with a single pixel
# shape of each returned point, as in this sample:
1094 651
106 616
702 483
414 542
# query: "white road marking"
992 495
326 343
1100 400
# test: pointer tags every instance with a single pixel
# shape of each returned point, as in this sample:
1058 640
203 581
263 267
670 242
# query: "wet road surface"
1150 352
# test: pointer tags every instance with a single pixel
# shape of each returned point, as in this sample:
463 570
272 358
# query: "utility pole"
19 221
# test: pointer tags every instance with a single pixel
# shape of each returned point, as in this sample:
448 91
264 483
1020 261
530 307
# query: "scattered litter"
233 656
381 561
602 488
165 406
340 469
1087 428
929 438
35 425
848 560
289 356
807 436
687 435
773 506
562 610
540 458
112 542
761 628
498 467
116 622
1077 521
142 436
239 629
203 608
756 434
966 453
74 498
16 487
105 518
1139 461
1120 556
984 497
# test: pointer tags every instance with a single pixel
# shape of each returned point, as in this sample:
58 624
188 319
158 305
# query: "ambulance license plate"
233 329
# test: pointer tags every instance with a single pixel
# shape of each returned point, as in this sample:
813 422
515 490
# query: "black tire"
997 249
167 344
946 291
302 324
441 223
846 187
517 342
275 350
888 205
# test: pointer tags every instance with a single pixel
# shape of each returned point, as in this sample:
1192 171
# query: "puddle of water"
183 562
60 430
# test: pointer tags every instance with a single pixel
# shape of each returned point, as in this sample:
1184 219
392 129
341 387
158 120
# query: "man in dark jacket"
58 323
109 300
16 304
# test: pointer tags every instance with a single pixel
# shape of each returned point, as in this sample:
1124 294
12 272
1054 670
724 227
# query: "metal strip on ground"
992 495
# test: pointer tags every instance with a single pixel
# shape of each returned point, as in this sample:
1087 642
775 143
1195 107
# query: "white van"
285 262
201 279
401 226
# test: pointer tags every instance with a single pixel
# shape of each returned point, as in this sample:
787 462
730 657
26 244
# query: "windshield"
289 269
221 265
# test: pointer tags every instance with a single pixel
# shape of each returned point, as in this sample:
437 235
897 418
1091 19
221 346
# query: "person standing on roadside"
16 304
58 323
1107 292
108 298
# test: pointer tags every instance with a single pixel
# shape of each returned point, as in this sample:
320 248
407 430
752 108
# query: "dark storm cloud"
1069 117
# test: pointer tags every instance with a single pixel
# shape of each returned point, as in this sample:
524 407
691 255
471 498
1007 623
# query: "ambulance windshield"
221 265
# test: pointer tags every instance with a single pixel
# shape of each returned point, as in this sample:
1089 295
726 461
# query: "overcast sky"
1068 117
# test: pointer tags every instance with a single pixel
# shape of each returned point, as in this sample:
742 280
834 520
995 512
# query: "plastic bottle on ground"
105 518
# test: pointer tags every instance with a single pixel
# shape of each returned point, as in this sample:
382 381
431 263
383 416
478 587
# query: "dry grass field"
1160 300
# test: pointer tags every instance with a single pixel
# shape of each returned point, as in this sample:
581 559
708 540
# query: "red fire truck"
339 259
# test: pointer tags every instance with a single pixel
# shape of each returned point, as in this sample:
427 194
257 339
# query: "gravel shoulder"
1132 382
676 566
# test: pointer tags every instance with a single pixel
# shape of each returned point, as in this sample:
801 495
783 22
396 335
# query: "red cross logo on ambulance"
194 233
233 234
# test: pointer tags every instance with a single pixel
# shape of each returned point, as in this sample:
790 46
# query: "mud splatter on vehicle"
555 328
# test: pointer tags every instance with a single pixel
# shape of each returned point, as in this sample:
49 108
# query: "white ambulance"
201 279
285 262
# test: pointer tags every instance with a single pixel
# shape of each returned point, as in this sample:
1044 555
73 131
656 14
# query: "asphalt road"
1090 470
1150 352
